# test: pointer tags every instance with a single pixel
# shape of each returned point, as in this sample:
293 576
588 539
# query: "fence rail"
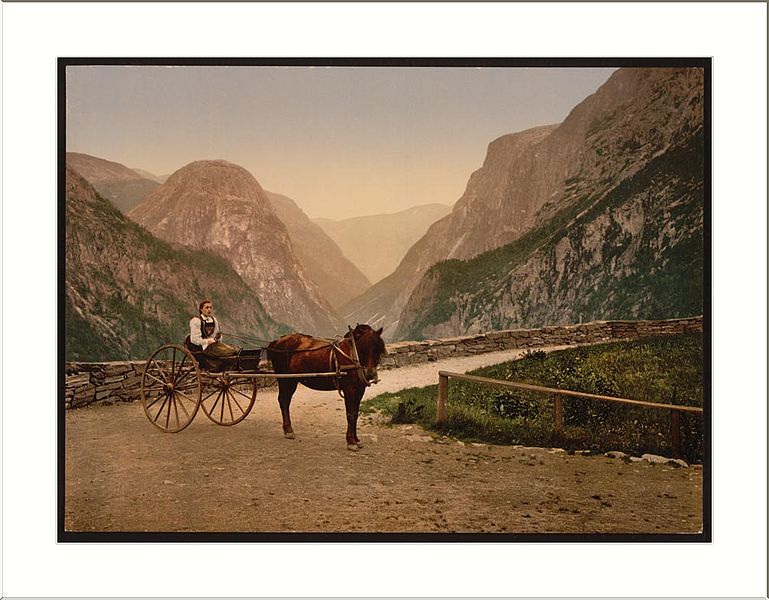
558 395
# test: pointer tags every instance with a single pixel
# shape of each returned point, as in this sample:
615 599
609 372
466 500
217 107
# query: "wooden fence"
558 395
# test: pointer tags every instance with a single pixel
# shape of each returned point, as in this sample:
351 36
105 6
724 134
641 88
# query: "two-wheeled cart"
176 382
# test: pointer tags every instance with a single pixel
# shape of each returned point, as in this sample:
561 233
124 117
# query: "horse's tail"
276 358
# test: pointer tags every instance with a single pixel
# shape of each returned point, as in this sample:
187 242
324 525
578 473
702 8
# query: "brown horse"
355 357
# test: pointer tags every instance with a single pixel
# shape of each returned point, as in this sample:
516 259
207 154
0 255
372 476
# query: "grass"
667 370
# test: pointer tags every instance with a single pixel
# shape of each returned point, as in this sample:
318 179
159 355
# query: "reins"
243 338
264 344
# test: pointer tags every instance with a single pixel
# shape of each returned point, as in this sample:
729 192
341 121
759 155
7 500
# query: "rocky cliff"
127 292
378 243
637 252
219 206
338 279
122 186
535 182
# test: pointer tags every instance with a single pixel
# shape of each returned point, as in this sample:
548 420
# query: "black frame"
219 537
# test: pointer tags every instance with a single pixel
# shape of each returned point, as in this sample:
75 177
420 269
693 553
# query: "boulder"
615 454
662 460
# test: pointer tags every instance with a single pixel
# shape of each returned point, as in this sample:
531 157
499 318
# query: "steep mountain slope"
126 292
221 207
636 253
337 278
122 186
377 243
383 302
529 179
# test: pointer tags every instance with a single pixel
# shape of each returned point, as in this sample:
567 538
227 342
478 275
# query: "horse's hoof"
359 444
290 435
352 447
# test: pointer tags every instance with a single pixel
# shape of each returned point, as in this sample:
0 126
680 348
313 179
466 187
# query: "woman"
204 329
204 338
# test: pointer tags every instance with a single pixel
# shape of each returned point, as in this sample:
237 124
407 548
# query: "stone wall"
409 353
101 382
86 383
108 382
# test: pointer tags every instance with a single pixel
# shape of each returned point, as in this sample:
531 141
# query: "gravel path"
427 373
124 475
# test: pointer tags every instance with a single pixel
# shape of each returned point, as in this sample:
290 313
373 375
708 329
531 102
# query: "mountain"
377 243
337 278
635 253
122 186
537 186
150 176
219 206
128 292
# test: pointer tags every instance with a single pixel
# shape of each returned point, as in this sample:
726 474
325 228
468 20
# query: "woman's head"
206 307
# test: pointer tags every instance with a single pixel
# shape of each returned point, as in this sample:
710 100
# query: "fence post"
558 401
675 432
443 393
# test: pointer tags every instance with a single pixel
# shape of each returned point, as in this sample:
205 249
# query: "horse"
353 358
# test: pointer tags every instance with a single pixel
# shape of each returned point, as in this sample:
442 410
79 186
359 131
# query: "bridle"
354 357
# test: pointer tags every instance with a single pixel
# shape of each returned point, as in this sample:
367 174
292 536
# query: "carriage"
178 381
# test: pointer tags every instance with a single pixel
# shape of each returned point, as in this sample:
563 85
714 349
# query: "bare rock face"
122 186
501 197
338 279
128 292
528 185
221 207
635 253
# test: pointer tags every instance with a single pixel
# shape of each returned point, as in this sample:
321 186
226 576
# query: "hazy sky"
340 141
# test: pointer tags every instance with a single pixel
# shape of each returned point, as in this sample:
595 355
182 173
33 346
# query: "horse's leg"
286 389
352 398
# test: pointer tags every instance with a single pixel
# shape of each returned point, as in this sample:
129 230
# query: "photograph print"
384 300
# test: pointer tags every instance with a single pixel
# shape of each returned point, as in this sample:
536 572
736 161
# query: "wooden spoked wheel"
171 388
227 399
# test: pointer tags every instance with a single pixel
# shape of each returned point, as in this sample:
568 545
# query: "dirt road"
122 474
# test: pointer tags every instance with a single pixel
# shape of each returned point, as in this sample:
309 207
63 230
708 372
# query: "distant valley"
337 277
151 176
376 244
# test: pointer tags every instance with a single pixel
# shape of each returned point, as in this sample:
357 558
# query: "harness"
333 362
333 359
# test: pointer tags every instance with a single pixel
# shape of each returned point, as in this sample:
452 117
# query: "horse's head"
371 348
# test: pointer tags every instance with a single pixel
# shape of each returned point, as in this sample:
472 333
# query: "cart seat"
224 357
